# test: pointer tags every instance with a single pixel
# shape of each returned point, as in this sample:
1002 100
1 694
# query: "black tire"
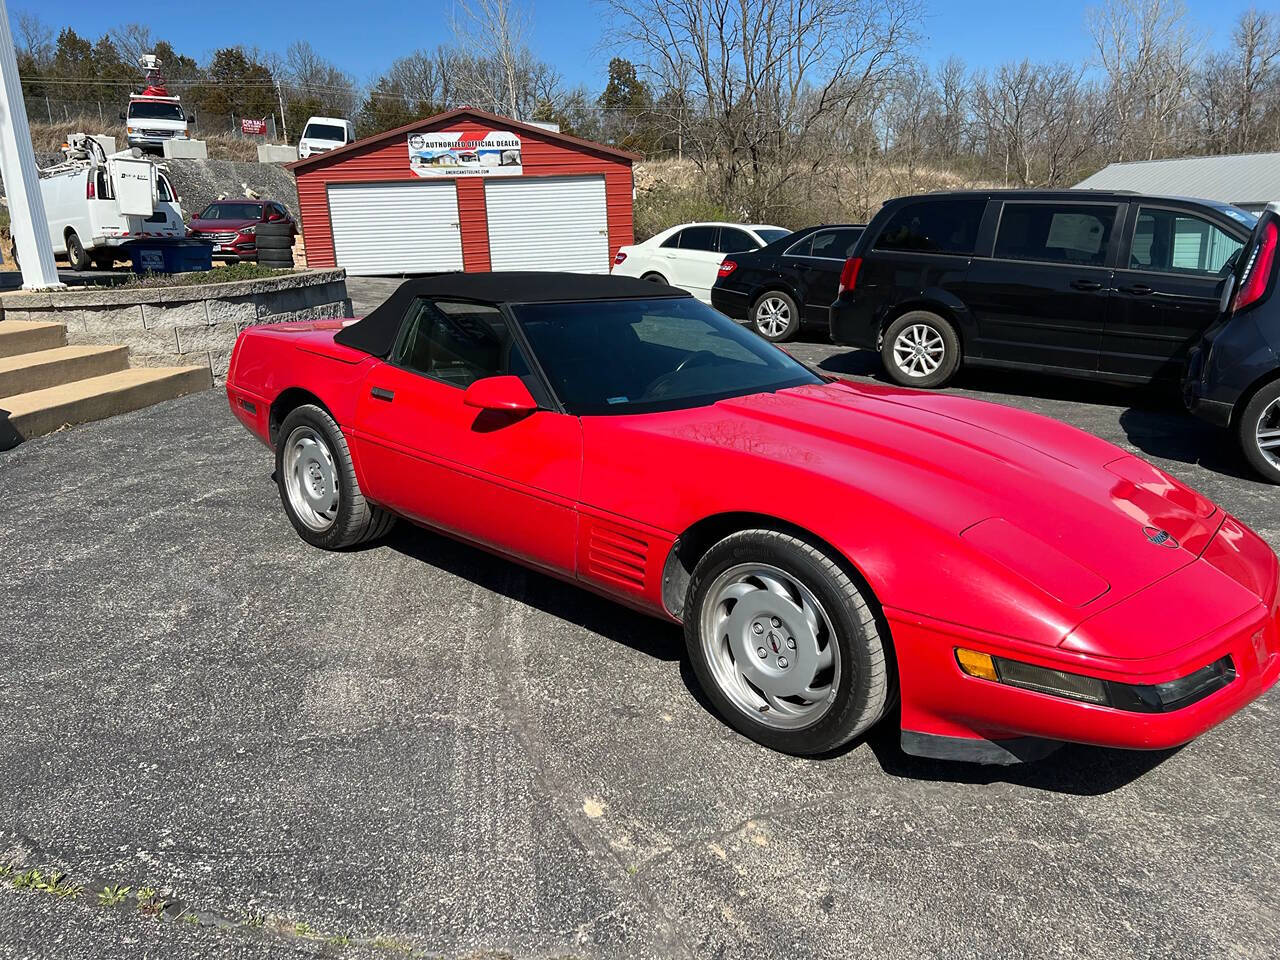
934 331
104 261
274 243
653 277
1261 414
274 230
76 255
862 694
356 521
275 263
775 316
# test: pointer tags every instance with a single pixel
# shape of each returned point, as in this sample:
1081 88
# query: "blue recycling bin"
169 256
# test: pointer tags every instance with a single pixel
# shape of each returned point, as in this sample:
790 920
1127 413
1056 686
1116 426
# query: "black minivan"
1233 376
1104 285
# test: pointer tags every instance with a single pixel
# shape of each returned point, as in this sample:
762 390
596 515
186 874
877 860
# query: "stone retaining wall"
183 326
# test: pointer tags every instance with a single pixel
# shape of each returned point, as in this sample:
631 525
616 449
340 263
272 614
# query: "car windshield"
155 110
641 356
769 235
324 131
232 211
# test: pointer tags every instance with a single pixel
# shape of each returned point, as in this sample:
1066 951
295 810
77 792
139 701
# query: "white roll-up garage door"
548 223
395 227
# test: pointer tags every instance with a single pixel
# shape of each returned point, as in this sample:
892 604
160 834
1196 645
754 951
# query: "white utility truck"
322 134
97 201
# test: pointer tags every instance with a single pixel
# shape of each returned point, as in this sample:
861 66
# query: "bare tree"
34 40
493 33
766 83
1148 52
131 41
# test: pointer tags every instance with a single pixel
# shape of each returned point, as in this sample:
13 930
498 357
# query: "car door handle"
1138 290
1086 284
382 393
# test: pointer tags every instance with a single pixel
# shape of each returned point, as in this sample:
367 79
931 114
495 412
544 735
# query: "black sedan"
790 282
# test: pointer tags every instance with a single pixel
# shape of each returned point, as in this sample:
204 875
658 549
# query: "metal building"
1247 180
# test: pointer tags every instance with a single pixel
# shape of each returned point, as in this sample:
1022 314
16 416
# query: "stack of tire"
275 245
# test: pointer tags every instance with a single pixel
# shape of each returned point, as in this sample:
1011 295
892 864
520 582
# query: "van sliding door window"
1068 233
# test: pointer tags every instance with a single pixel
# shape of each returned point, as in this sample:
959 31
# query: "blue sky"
363 37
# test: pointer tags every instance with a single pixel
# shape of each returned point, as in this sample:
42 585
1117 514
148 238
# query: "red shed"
466 190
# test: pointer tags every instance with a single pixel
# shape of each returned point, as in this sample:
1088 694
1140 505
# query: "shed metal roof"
1242 178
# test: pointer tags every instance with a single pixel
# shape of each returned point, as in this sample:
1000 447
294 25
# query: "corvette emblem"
1161 538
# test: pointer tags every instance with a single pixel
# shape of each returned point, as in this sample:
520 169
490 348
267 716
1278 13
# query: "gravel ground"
424 749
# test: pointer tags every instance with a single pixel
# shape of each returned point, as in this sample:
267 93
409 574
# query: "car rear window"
1074 233
733 240
1172 241
944 225
835 244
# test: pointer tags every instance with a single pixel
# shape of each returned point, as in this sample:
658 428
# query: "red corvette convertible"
829 547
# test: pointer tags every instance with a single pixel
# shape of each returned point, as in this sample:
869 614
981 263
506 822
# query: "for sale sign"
445 154
253 128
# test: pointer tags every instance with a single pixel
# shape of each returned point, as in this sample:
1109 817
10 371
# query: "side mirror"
191 119
122 116
507 394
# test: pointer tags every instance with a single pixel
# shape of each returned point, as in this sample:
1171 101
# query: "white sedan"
689 255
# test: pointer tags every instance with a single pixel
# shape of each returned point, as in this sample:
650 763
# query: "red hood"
1055 505
220 226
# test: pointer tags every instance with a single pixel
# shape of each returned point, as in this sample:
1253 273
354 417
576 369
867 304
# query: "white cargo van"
94 203
322 134
151 120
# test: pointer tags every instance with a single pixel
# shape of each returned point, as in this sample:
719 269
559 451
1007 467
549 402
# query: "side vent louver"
616 556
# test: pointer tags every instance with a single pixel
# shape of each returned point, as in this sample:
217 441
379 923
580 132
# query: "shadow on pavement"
1074 769
642 633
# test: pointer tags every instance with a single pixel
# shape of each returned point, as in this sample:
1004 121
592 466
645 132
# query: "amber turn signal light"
977 664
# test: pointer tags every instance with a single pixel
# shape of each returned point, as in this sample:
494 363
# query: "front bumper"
940 700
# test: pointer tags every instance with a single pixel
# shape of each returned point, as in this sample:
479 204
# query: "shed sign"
444 154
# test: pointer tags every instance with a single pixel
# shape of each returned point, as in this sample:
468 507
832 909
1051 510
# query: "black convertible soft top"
376 333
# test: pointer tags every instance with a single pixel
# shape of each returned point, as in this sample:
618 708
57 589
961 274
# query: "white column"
21 179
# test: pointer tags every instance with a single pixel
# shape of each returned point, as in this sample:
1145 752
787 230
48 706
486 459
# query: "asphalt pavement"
419 749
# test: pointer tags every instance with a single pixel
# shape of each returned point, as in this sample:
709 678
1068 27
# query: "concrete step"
39 412
25 372
23 336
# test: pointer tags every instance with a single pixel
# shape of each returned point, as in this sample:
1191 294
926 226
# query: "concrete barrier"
185 150
183 325
276 153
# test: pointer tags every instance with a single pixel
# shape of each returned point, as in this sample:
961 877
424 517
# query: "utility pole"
21 178
284 124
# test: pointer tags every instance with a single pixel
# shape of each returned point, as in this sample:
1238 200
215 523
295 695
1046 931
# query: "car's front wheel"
1259 431
318 485
785 643
920 349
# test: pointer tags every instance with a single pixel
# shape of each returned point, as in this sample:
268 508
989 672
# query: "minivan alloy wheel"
919 350
1267 432
773 316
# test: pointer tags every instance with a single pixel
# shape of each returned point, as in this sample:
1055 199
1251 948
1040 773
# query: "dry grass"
48 139
675 191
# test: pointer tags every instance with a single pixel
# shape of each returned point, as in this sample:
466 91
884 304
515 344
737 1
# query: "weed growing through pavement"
112 895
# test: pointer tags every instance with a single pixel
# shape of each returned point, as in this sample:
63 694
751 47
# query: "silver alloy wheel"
770 646
311 479
919 350
773 316
1268 433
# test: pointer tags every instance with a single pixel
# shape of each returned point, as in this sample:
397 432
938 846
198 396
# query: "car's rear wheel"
775 316
76 255
654 277
318 485
785 643
920 349
1259 431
